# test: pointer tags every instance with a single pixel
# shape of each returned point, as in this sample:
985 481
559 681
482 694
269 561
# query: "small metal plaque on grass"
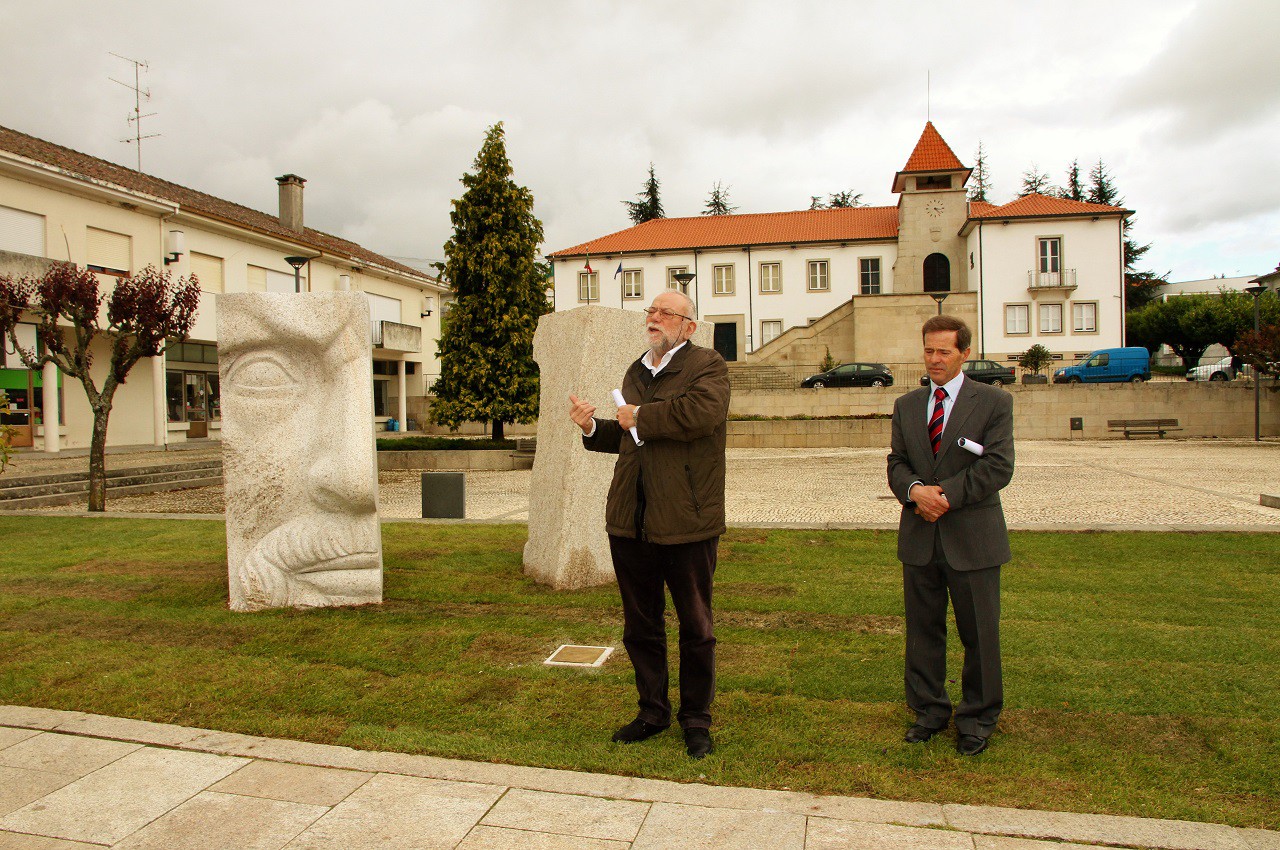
571 655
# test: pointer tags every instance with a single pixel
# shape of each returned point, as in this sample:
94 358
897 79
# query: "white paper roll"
618 400
970 446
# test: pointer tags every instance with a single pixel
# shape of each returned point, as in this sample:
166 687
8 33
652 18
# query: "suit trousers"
643 569
975 599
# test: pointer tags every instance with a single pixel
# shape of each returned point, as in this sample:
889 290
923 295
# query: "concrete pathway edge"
975 820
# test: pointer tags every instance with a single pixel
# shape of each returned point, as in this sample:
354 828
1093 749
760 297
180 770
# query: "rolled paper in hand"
970 446
619 400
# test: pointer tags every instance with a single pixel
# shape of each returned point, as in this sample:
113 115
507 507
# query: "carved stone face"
298 457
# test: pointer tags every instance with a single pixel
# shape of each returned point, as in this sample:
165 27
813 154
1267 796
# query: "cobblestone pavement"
1198 483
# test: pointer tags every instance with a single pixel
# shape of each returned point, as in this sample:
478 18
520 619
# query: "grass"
1142 670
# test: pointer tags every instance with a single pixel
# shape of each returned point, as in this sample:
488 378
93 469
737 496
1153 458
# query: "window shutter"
257 279
111 251
21 232
209 270
281 282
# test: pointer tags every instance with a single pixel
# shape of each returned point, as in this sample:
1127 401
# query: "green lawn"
1142 670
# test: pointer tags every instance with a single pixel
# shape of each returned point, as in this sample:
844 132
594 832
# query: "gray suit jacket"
972 532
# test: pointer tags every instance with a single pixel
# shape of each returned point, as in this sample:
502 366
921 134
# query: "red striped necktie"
935 421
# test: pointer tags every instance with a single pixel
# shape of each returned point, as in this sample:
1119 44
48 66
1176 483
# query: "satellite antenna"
139 93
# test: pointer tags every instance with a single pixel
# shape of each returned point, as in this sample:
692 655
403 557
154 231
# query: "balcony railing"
1065 279
394 336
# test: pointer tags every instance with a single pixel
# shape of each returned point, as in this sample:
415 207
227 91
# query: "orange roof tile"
1036 204
82 165
846 224
932 153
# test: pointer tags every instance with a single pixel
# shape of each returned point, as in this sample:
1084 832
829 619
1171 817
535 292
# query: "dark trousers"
643 569
975 598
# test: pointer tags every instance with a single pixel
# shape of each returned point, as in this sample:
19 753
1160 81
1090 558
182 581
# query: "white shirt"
953 388
647 362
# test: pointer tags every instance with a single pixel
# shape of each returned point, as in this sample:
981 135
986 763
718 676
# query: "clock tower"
932 208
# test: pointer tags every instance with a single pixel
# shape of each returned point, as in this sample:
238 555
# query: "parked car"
1222 370
984 372
1108 364
852 375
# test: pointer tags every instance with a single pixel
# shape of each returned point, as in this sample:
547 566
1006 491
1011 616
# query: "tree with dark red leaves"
66 303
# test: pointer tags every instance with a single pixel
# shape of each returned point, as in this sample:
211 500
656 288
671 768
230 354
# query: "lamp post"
1256 292
297 263
939 297
683 278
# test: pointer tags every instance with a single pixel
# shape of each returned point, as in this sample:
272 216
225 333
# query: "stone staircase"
67 488
744 377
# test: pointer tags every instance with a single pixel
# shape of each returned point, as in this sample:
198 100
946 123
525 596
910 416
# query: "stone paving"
75 781
1056 484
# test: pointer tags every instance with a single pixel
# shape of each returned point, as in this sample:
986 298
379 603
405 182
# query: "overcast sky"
382 106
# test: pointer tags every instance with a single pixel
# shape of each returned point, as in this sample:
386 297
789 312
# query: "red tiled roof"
846 224
932 153
1036 205
82 165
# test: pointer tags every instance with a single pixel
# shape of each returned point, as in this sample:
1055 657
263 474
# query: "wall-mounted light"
175 245
428 303
344 283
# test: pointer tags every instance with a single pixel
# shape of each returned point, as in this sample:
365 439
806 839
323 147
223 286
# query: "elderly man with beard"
665 513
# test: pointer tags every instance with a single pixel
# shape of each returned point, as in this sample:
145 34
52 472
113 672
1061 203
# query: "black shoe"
970 745
698 742
918 734
635 731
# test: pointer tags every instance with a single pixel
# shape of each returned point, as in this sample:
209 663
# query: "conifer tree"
981 184
648 204
1101 190
487 371
718 201
1034 181
1073 190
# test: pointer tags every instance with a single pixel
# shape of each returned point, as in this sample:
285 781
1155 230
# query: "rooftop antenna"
139 93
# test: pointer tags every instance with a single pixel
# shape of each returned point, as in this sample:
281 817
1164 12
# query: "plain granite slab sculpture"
584 351
298 463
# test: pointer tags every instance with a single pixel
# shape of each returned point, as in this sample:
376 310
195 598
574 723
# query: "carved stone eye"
261 375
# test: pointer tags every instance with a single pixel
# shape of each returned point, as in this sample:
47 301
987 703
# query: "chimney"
291 201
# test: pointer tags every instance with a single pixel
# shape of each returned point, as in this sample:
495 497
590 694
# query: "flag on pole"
618 272
588 265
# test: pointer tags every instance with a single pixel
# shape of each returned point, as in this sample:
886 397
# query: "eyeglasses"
663 313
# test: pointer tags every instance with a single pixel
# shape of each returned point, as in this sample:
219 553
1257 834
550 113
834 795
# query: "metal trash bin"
444 495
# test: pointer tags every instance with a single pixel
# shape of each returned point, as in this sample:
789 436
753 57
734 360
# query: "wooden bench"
1143 426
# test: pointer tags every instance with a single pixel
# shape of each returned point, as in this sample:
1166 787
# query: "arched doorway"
937 273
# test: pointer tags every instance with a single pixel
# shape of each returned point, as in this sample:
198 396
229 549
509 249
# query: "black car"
983 371
852 375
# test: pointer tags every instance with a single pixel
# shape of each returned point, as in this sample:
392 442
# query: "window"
21 232
192 396
1050 255
770 331
1015 318
633 283
937 182
208 270
869 275
1050 318
190 352
110 253
723 278
672 283
818 280
268 280
1084 317
588 286
770 277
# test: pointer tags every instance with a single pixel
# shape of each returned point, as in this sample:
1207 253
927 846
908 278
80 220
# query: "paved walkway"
73 781
1168 484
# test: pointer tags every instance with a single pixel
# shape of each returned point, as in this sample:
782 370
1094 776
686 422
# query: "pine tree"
1139 286
718 201
487 371
1034 181
847 198
1101 190
981 184
648 205
1073 190
816 202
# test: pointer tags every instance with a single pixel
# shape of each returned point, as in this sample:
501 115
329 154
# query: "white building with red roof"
786 287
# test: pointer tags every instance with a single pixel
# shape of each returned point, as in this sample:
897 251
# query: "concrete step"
112 492
118 479
83 475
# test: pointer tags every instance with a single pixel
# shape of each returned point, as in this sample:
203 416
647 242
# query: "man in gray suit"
952 454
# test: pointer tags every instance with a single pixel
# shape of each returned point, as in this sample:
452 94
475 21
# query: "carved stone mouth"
273 573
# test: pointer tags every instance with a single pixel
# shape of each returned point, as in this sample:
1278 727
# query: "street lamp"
939 297
683 278
297 263
1256 291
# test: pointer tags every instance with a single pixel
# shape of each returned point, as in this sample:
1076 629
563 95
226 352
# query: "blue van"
1108 364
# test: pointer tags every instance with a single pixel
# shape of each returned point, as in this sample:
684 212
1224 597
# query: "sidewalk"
73 781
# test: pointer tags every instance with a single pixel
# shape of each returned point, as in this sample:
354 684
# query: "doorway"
937 273
21 416
725 340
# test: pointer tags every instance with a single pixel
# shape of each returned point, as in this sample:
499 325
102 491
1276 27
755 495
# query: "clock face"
933 207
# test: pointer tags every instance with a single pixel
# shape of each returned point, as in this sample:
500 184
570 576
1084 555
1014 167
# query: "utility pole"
139 93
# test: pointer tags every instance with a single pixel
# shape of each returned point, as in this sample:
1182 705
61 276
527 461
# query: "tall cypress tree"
486 347
1073 190
981 177
648 204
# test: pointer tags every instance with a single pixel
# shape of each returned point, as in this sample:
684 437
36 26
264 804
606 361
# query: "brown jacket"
672 487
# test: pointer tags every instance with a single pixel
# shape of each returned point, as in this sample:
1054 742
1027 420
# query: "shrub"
1035 358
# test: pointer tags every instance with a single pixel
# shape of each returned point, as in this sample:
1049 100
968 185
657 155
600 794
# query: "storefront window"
381 397
173 395
195 397
215 397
